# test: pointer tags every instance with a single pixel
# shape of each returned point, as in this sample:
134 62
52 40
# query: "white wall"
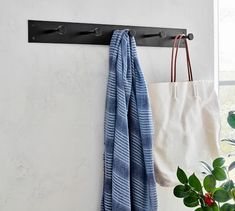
52 97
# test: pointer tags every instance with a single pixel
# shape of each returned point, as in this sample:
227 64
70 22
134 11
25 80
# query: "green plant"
231 119
213 193
217 190
231 122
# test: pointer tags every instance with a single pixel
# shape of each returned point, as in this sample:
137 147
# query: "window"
227 69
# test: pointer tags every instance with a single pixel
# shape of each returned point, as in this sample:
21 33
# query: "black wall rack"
99 34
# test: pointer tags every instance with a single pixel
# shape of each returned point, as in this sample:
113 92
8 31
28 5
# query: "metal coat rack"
99 34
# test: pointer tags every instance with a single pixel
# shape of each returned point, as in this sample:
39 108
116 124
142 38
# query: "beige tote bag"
186 121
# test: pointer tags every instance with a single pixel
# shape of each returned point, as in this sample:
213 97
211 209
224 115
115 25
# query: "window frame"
217 68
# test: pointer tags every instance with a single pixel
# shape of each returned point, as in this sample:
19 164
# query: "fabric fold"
129 181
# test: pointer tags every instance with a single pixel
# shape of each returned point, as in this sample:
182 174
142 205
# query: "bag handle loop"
174 55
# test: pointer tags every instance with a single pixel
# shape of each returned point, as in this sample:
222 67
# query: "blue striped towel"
129 182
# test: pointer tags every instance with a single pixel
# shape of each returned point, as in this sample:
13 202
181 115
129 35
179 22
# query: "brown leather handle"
174 55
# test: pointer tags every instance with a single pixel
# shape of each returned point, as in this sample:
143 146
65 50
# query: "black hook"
95 31
160 34
190 36
132 32
60 30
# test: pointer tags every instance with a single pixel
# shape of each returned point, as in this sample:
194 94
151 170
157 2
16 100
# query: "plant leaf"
231 119
215 207
182 191
207 166
231 166
209 183
199 209
195 182
219 174
182 177
207 209
191 201
227 207
221 195
228 186
233 193
218 162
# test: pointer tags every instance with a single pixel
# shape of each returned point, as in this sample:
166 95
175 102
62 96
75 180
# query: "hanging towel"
129 182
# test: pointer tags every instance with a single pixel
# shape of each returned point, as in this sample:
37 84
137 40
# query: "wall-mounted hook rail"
99 34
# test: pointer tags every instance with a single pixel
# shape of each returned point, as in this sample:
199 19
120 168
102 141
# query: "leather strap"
174 55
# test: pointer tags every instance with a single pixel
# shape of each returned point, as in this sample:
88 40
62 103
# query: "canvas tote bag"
186 122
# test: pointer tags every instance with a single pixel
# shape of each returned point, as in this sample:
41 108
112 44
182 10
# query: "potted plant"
217 190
